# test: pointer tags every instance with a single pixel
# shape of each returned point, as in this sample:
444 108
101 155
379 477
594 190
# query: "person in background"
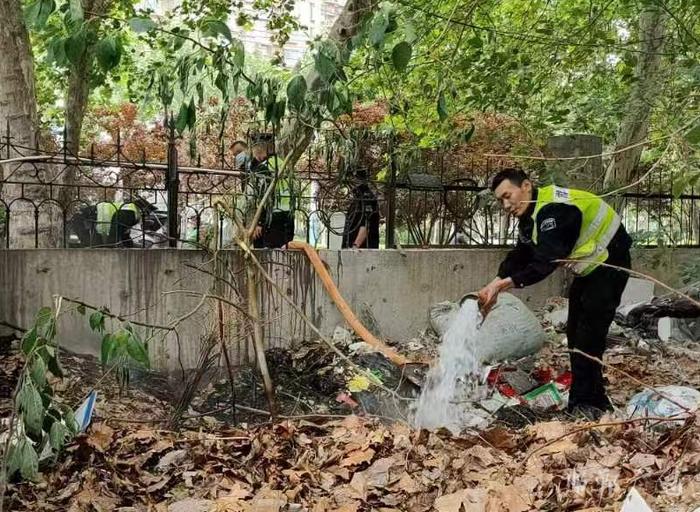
276 223
361 230
240 154
556 224
109 224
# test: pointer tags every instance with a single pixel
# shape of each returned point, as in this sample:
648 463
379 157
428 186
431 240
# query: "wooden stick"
253 309
117 317
634 379
635 273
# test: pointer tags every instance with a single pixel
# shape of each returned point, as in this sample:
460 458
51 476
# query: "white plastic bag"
651 403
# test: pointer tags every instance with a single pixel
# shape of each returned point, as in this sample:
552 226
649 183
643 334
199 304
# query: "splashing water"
455 377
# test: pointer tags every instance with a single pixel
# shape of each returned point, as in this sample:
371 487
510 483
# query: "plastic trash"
544 398
83 415
650 402
510 331
635 503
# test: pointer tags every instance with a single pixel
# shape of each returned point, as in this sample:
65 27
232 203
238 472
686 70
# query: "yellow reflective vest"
105 212
598 226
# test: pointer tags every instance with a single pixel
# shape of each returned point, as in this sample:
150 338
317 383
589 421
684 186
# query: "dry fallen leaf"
547 430
377 475
406 484
100 437
562 446
191 505
509 498
357 457
473 500
642 460
500 438
170 458
481 455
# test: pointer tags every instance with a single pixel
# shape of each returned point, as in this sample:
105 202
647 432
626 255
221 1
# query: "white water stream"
454 381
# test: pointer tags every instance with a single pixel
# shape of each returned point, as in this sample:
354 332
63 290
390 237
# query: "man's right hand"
488 295
257 232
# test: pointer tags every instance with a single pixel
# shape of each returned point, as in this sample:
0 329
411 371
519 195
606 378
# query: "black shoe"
585 412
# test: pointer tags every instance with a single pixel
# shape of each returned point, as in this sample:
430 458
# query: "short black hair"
262 138
515 176
241 142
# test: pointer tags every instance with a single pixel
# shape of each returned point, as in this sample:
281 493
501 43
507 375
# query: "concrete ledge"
385 288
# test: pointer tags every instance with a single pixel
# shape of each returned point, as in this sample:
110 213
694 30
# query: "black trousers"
277 232
593 300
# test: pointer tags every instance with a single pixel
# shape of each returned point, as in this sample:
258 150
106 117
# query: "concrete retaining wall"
388 290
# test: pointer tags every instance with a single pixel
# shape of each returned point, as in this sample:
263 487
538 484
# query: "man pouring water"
573 228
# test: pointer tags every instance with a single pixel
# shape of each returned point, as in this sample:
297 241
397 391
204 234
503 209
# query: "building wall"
387 289
315 16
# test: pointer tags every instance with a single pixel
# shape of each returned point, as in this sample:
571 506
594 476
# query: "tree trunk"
18 113
77 96
296 135
585 174
635 123
76 104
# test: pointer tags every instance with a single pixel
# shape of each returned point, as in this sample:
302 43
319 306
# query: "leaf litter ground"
326 458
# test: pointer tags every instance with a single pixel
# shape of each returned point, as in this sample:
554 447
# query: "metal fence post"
391 199
173 186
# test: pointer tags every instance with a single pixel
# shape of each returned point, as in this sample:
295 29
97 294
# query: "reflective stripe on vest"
283 188
106 211
599 223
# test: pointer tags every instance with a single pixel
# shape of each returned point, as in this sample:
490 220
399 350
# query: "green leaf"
14 458
53 365
29 340
377 28
107 348
221 83
466 137
401 56
32 408
45 323
325 66
238 53
442 107
81 309
75 47
693 136
38 13
121 338
140 25
191 114
69 419
38 372
409 32
137 351
29 464
296 92
280 108
97 321
108 52
76 10
212 28
475 42
57 435
181 121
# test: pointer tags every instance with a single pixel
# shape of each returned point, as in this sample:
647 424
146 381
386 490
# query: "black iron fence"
44 196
